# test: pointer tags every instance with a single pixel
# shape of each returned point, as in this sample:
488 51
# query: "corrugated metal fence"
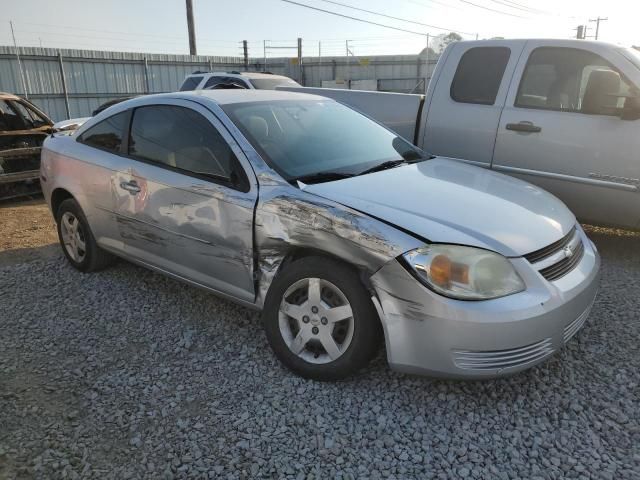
71 83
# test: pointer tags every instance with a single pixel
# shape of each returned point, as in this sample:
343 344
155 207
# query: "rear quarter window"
479 75
107 134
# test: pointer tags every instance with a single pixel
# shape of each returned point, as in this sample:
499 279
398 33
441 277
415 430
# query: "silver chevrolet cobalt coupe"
340 231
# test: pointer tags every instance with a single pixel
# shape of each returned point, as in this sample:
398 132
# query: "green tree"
443 40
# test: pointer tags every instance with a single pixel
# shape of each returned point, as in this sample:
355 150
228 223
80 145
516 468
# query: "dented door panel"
188 227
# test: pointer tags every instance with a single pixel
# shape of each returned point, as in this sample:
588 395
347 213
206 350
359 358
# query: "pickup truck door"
465 98
561 129
175 210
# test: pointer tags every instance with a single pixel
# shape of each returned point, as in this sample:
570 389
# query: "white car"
249 80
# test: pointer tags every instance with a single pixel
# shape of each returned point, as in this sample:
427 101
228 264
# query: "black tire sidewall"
72 206
366 333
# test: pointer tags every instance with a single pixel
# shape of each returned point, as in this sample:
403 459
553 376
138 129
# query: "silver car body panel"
449 202
234 243
486 338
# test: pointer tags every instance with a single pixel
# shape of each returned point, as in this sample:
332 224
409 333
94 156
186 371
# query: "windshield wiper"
384 166
394 163
320 177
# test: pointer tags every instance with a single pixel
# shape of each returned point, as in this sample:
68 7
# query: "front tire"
77 241
320 321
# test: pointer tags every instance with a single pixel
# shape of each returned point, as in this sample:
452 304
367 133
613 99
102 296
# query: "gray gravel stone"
127 374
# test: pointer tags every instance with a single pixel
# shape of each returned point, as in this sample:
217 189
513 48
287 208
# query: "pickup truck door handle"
131 187
526 127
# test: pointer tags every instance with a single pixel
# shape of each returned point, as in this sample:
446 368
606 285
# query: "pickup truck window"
479 75
571 80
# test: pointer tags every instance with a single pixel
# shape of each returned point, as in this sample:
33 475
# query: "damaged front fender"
288 219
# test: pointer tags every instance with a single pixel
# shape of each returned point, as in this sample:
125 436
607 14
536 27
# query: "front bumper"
427 333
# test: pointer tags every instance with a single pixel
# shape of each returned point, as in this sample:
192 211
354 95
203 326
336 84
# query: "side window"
181 138
106 135
190 83
9 118
479 75
571 80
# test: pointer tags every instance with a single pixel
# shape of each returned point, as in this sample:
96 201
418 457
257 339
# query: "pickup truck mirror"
631 109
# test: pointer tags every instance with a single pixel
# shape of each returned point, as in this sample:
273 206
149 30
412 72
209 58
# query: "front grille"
571 329
564 266
549 250
502 359
558 259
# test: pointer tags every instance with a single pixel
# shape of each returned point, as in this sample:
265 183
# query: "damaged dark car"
23 128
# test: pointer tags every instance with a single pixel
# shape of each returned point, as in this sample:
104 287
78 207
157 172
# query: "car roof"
204 97
238 74
8 96
227 97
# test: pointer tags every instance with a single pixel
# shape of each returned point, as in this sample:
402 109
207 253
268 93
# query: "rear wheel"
77 241
320 321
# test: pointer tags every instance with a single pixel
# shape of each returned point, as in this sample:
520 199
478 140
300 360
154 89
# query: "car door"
561 129
465 99
98 148
185 202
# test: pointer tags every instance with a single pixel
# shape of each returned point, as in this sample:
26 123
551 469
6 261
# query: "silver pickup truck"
562 114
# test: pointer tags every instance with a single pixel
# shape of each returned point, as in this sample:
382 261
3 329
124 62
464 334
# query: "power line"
355 18
528 7
394 18
437 2
514 6
136 34
491 9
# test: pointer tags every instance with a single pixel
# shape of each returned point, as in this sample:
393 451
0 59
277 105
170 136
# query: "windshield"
272 83
307 137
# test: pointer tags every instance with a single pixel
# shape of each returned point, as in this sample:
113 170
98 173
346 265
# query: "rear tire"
77 240
320 321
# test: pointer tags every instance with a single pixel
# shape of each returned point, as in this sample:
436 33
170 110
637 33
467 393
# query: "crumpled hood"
446 201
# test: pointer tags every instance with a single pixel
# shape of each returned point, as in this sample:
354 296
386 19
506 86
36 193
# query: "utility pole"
598 20
245 52
300 61
427 74
264 47
15 44
319 49
192 29
348 74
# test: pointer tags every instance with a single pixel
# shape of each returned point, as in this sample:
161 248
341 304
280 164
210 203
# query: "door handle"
526 127
131 187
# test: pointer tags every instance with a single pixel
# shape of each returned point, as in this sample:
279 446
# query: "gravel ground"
127 374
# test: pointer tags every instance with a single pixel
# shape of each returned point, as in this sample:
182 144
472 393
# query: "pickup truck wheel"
320 321
77 241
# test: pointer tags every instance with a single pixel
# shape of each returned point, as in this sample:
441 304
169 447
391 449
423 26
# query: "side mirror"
600 94
631 109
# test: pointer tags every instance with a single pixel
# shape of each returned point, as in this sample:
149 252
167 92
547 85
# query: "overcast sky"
159 26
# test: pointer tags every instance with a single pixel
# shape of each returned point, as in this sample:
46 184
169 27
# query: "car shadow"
22 255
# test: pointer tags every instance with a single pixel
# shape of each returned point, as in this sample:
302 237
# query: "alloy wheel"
316 320
73 237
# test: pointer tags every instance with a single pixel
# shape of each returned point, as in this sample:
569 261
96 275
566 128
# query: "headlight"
465 273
